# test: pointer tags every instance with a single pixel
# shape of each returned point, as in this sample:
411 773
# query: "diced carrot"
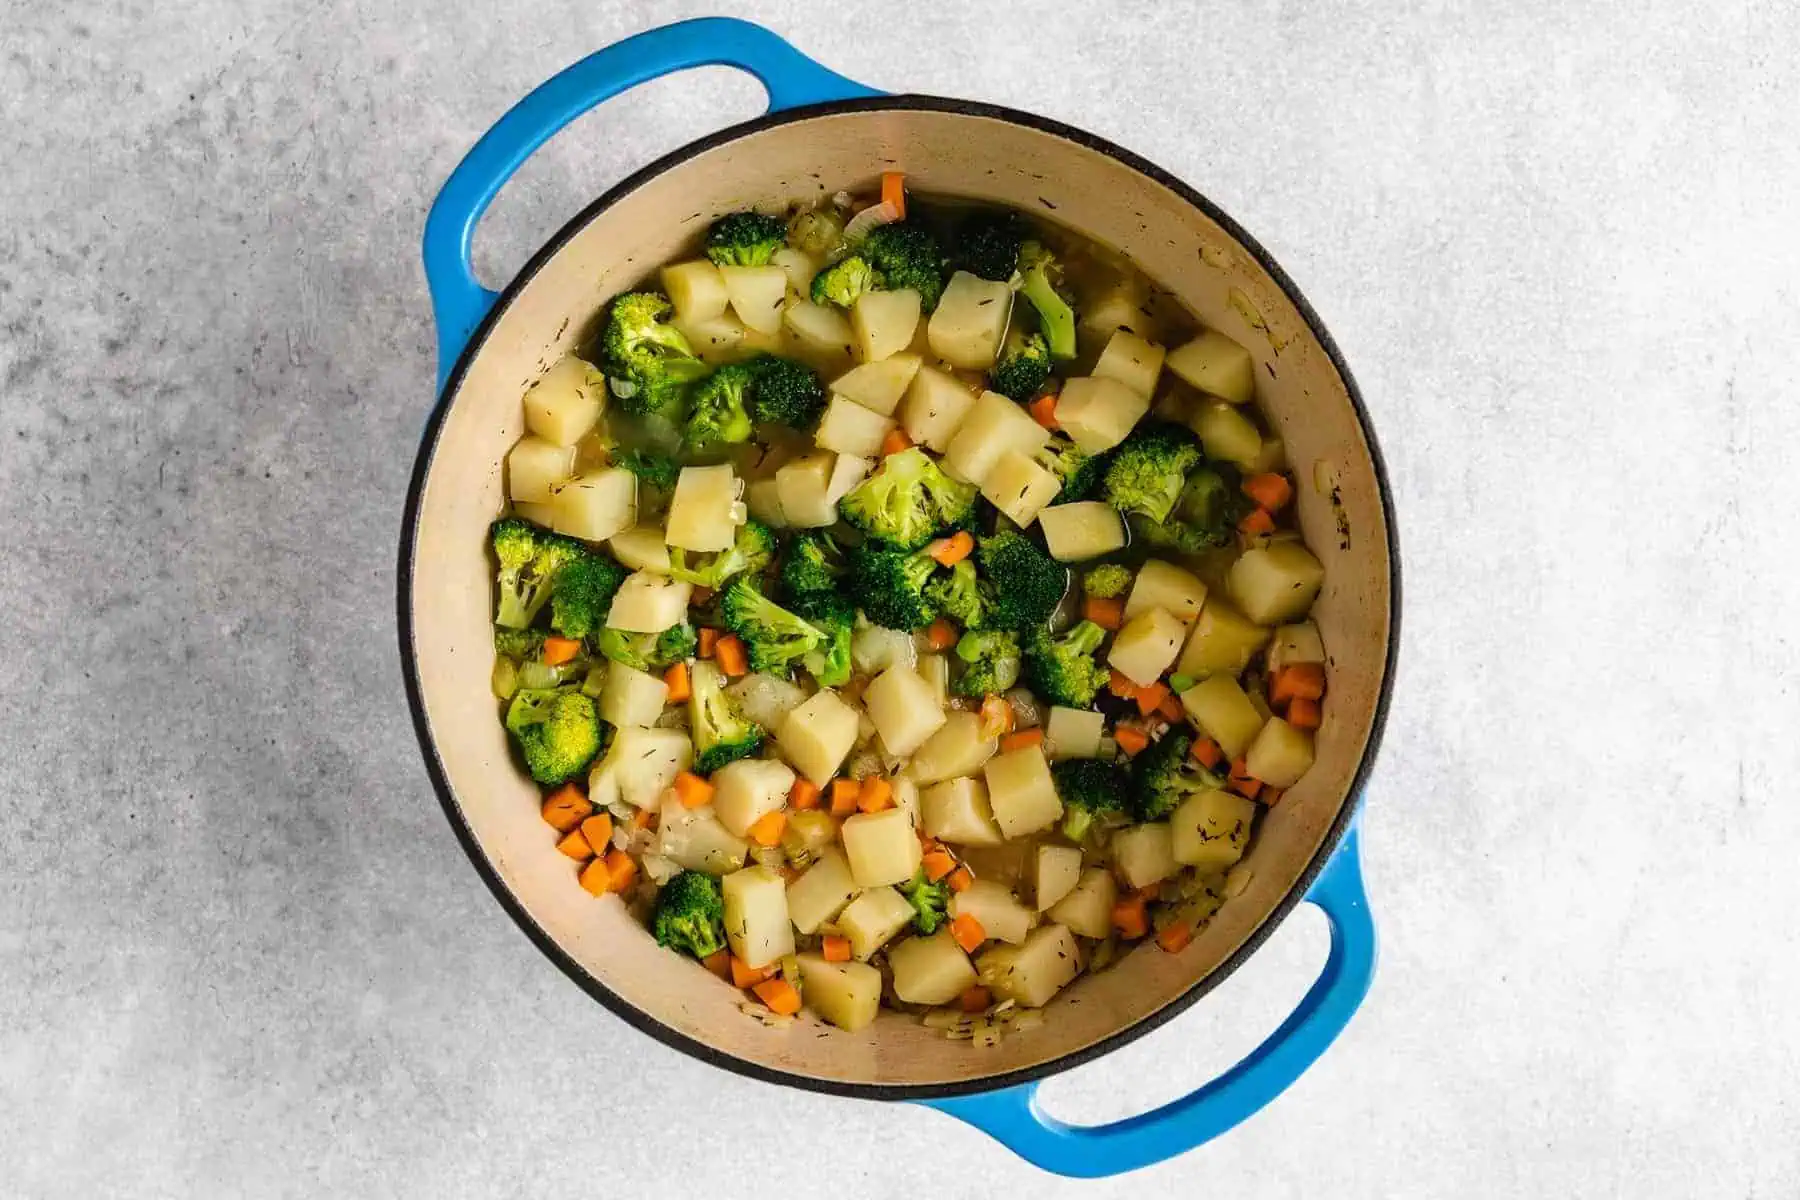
1298 681
1020 740
743 975
804 794
1257 523
996 715
947 552
729 651
941 634
1151 698
643 818
1303 713
559 650
598 830
844 793
1175 937
1043 410
767 829
566 807
968 932
937 864
1120 685
1131 739
709 640
835 948
893 193
961 879
596 880
779 995
1130 917
693 791
895 441
875 794
575 845
1272 490
975 999
622 868
719 963
1207 753
1241 781
1106 612
679 687
1170 709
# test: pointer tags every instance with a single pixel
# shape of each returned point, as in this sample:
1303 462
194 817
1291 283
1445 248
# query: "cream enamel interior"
944 152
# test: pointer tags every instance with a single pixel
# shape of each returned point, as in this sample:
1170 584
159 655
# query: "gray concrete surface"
240 953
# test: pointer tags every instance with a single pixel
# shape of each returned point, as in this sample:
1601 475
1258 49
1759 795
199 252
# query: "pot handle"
458 301
1013 1117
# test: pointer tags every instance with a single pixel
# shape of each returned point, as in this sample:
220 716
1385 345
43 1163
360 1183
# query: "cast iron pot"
823 133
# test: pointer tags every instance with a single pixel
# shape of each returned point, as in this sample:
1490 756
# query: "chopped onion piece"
858 227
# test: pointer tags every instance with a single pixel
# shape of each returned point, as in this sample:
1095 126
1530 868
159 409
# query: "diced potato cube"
1020 793
1019 487
1210 830
1097 413
798 266
749 789
849 428
1144 854
820 332
695 288
648 603
935 407
1002 917
821 893
639 766
543 515
1052 873
595 506
1030 975
1280 755
1074 732
1217 366
1223 642
642 548
1226 433
564 404
847 470
718 339
994 426
757 294
956 811
1276 582
1295 644
906 799
873 918
882 847
1082 530
693 840
878 386
1132 361
930 970
903 708
958 748
1223 713
763 498
1087 907
631 696
883 323
1147 646
535 468
970 320
846 994
1166 586
816 736
1123 303
756 916
705 512
803 486
934 669
1272 457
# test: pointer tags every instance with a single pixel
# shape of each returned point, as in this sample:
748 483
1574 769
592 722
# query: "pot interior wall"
946 152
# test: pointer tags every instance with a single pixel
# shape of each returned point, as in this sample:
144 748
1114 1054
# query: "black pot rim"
644 1021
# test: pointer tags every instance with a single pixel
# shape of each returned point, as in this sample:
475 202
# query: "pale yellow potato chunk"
749 789
958 748
821 332
642 548
1030 975
846 994
696 289
878 386
1210 830
1051 873
1003 918
930 970
693 840
649 603
1217 366
1132 361
821 893
1087 907
595 506
1222 712
639 766
816 736
994 426
1097 412
883 323
970 321
535 468
882 847
935 407
873 919
1146 646
1144 854
1296 644
1275 583
849 428
1074 732
1164 585
1280 755
562 406
756 916
1082 530
1019 487
903 708
1223 642
1226 433
757 295
705 512
631 697
1020 793
763 498
716 339
956 811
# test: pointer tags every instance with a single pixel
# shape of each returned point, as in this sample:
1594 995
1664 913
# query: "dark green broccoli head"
814 563
1106 581
1079 471
690 915
1165 774
929 901
785 392
1042 287
1065 670
1023 367
1205 517
962 595
1149 469
530 559
677 643
776 638
721 732
1090 789
905 255
718 412
908 501
648 362
745 239
557 730
843 281
988 241
648 651
751 551
889 586
990 661
1028 584
582 594
657 471
520 645
831 613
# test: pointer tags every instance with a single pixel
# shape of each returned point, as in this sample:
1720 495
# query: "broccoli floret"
906 256
1028 584
1090 789
690 915
1205 517
816 231
962 594
775 637
719 413
648 651
1079 471
1149 469
583 592
558 731
530 559
652 470
990 662
907 501
889 586
843 281
1023 368
832 614
813 564
647 360
1106 581
721 732
753 549
1064 670
1164 775
928 900
987 244
785 392
520 645
745 239
1040 275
